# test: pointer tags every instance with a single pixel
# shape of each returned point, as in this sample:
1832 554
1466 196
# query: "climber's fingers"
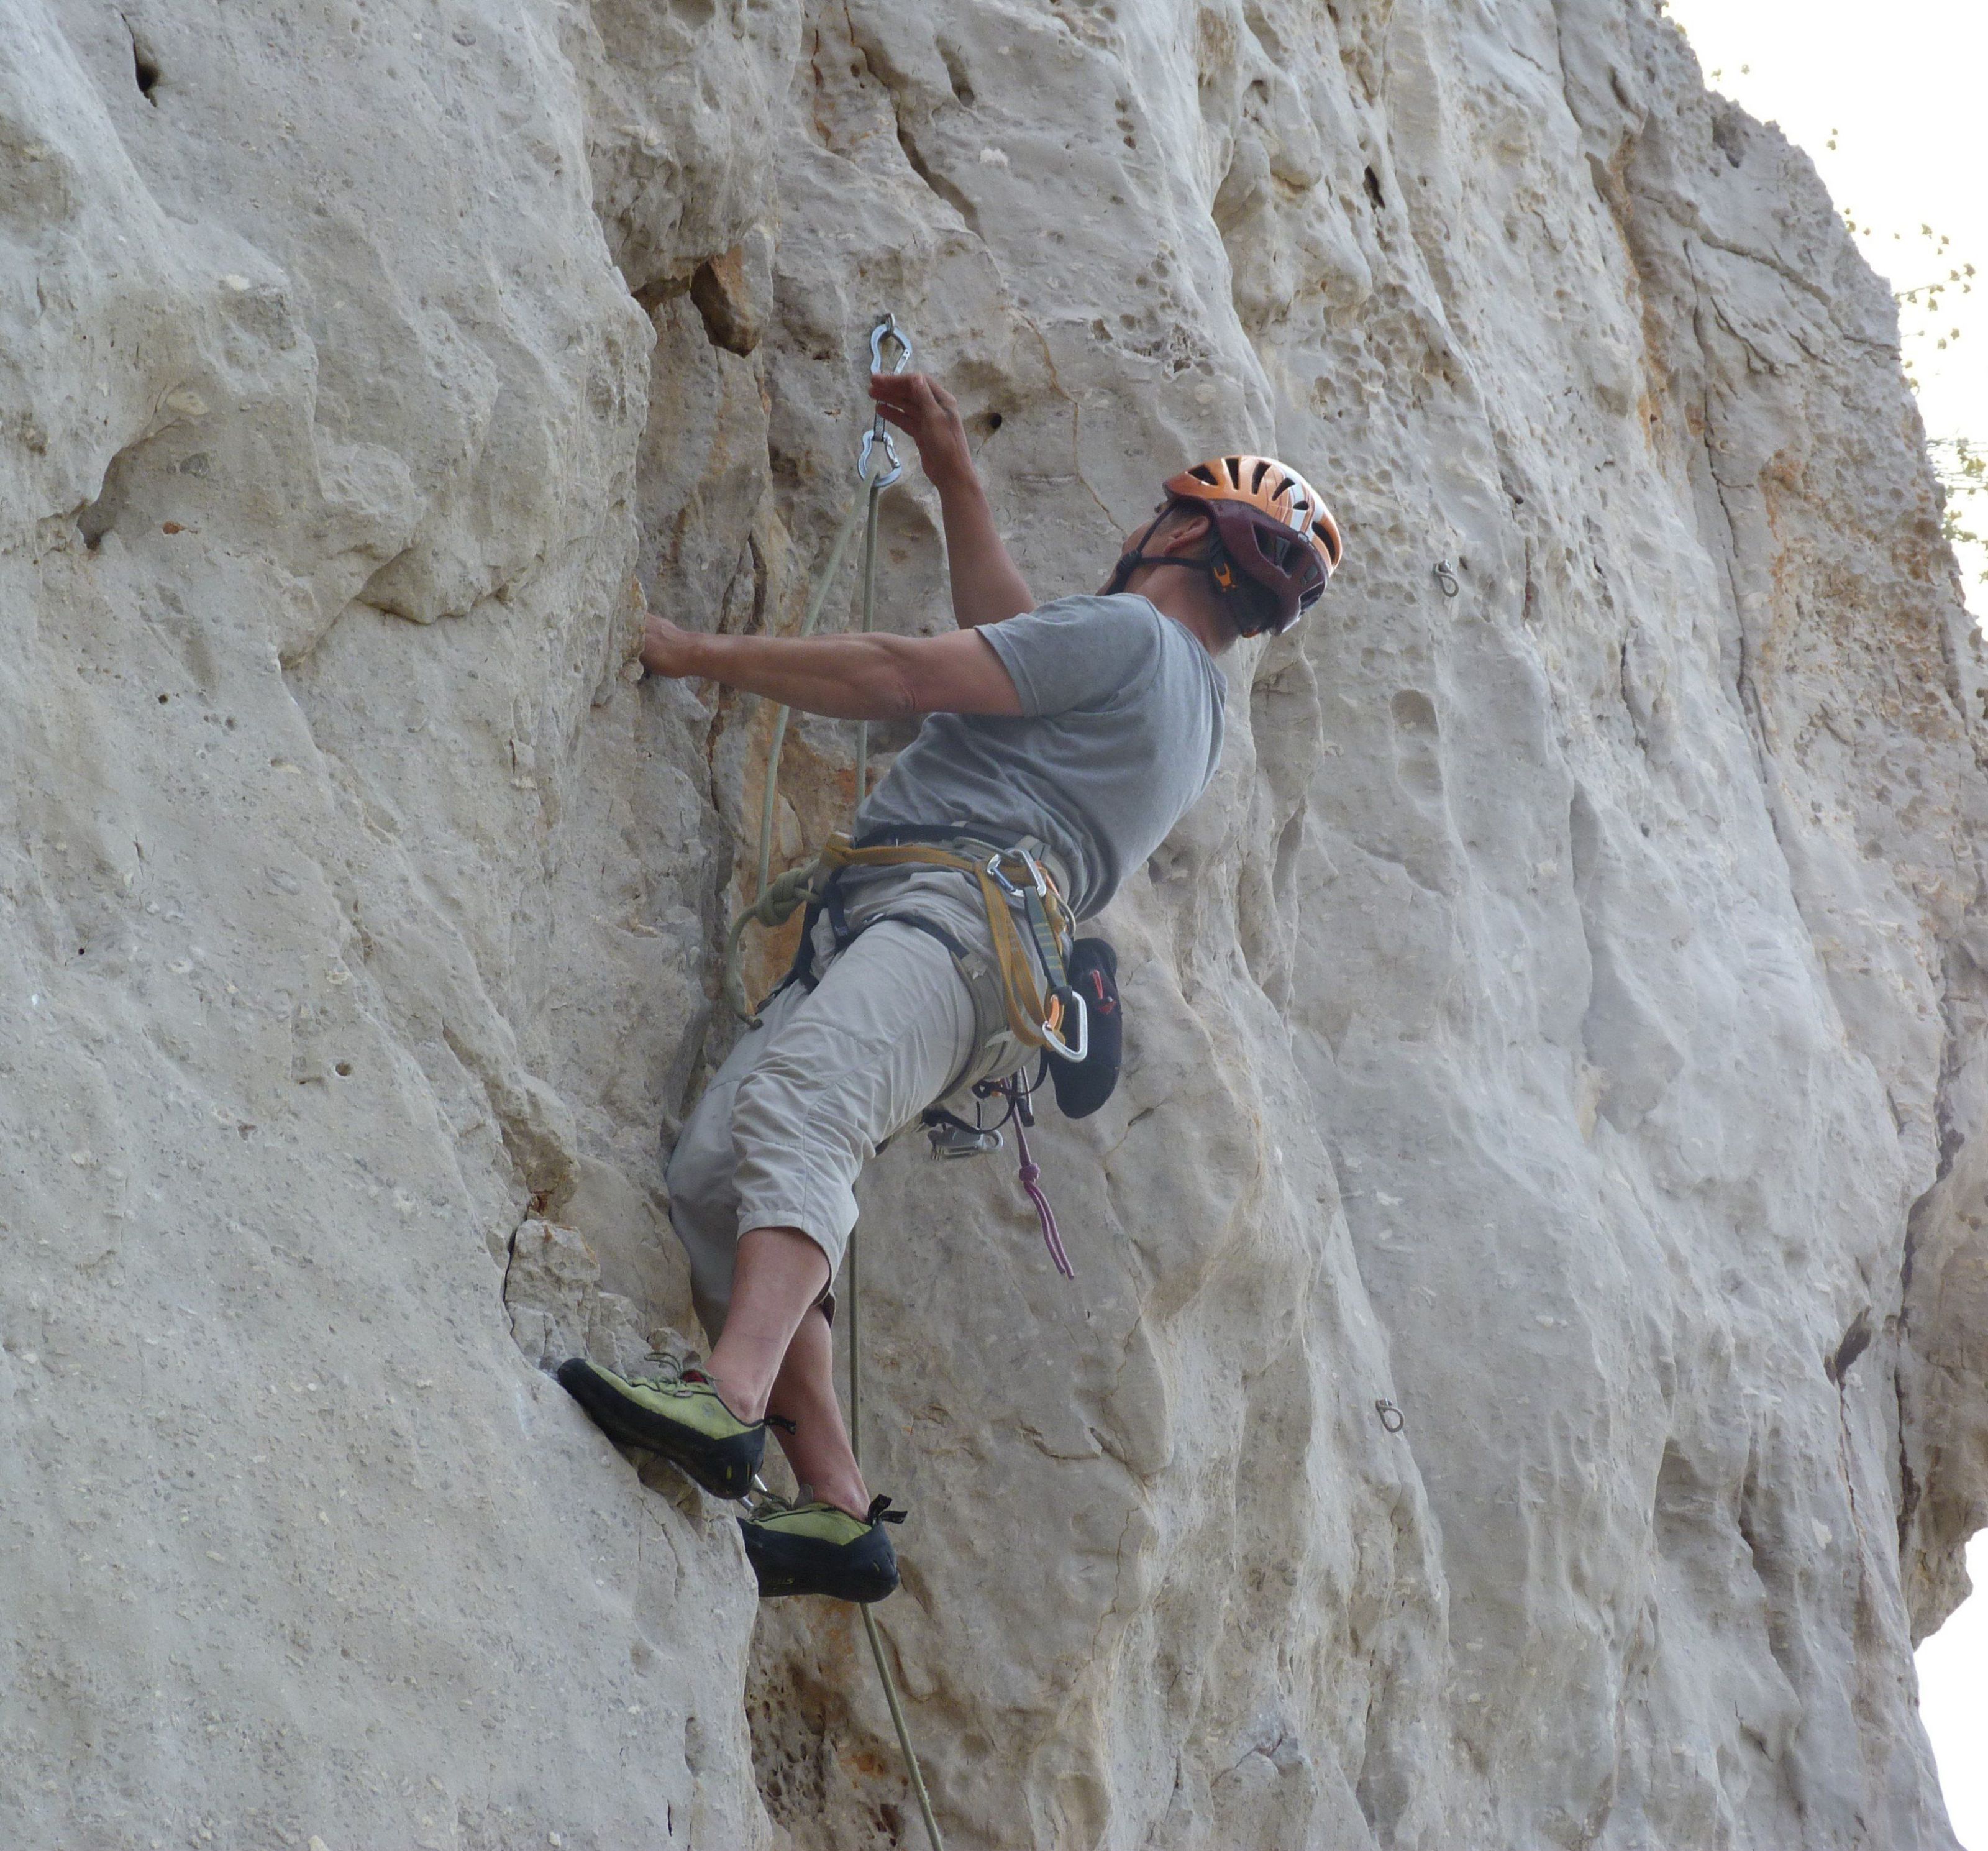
914 398
917 404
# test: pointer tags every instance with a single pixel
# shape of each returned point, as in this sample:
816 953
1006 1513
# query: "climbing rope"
774 902
886 330
775 899
912 1768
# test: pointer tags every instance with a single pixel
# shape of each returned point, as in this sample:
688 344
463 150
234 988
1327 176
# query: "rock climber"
1086 727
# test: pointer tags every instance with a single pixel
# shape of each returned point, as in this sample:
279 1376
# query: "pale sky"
1897 87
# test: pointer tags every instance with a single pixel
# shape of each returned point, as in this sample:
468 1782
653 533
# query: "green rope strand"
774 901
865 498
869 624
911 1766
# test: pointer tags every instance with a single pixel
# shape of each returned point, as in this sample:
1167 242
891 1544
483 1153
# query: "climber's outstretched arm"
986 586
876 677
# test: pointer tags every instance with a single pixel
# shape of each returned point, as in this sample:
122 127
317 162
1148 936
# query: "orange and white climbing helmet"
1274 527
1270 527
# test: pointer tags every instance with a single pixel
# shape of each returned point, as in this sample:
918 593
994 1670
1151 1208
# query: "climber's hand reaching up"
986 586
927 413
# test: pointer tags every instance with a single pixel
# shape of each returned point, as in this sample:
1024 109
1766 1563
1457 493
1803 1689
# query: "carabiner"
1007 886
886 328
1054 1042
1041 880
890 475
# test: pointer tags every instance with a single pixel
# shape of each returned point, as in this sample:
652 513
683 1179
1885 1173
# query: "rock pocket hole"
164 698
955 73
1373 184
343 1070
146 68
1856 1341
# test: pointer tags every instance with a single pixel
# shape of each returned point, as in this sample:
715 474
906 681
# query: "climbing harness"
1015 1014
1023 875
1012 1015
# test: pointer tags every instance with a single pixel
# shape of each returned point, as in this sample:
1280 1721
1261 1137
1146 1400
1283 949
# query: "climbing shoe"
677 1414
819 1548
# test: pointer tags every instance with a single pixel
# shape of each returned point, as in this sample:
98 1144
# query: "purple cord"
1031 1172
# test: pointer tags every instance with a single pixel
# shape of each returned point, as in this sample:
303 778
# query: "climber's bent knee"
781 1136
700 1175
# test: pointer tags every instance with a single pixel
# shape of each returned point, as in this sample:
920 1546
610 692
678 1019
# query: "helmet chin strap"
1220 572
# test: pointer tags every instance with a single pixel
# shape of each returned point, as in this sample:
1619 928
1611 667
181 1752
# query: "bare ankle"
847 1494
735 1396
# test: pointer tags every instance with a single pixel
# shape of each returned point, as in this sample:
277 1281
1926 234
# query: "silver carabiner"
887 329
1055 1044
890 475
1007 886
1042 882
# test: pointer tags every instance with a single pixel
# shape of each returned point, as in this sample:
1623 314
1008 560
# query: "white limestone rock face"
1562 1024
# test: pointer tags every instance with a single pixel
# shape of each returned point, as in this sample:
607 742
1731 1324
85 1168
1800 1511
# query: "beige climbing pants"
803 1100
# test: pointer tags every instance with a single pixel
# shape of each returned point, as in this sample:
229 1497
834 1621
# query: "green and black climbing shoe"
819 1548
678 1415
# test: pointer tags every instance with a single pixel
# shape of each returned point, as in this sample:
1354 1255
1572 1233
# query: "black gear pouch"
1082 1086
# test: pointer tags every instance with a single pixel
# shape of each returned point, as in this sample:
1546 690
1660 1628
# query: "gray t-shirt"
1119 731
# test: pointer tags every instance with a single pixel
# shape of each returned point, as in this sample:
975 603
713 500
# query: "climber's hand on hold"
986 587
667 650
927 413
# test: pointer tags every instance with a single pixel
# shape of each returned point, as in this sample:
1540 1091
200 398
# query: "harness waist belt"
968 841
1036 1016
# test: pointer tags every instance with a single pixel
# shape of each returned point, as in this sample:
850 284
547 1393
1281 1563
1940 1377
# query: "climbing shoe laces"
677 1412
